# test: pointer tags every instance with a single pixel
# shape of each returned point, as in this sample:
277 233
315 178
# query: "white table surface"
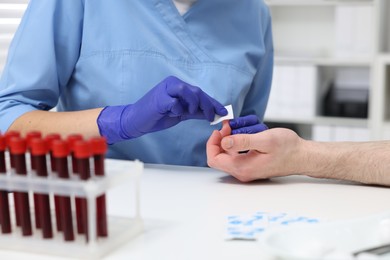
185 210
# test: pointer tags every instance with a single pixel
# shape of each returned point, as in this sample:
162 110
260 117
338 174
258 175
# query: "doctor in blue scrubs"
149 75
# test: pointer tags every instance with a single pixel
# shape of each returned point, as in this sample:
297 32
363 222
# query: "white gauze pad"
219 119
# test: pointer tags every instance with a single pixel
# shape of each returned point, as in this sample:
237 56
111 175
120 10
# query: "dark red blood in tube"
61 153
5 219
29 137
39 150
82 152
8 135
99 149
72 139
18 149
50 138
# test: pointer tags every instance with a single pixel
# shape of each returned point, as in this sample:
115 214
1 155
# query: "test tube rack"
121 229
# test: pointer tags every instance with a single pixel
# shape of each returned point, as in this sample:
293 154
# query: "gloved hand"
246 125
164 106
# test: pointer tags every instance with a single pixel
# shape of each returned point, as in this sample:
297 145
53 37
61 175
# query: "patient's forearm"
64 123
366 162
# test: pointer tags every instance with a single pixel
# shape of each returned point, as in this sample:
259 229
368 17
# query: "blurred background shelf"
332 68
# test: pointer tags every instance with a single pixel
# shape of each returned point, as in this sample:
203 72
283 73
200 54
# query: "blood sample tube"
72 139
18 149
60 153
5 219
29 137
50 138
82 152
99 149
39 150
8 136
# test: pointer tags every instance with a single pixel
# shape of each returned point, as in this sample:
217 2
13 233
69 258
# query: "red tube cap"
98 145
60 148
17 145
38 146
8 135
50 138
72 139
82 149
31 135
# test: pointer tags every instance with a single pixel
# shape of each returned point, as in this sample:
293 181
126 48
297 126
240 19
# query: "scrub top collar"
179 26
183 5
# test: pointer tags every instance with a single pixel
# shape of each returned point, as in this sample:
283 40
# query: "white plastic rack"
121 229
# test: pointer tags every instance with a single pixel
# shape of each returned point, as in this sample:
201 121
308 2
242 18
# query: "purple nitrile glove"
246 125
164 106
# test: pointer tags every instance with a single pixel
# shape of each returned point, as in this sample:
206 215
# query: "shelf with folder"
307 94
323 48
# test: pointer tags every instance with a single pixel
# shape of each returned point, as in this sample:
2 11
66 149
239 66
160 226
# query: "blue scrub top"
82 54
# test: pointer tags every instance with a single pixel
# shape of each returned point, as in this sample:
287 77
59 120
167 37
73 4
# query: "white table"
185 210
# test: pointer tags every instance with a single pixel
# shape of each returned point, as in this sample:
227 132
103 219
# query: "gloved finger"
174 108
206 106
186 93
198 101
194 98
197 115
210 106
244 121
191 98
250 129
218 107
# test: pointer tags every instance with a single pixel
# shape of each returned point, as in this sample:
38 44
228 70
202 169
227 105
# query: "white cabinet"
331 45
